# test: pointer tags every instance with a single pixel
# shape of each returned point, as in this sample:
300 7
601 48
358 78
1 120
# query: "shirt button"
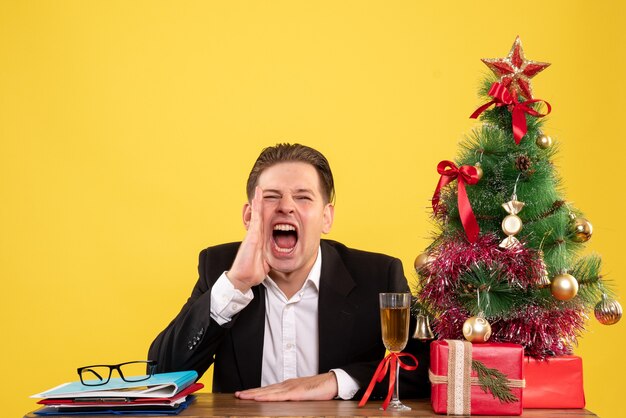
289 346
234 307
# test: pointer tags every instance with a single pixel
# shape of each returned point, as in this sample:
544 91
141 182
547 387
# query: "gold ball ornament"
476 329
511 224
608 311
422 260
582 229
479 170
544 141
564 286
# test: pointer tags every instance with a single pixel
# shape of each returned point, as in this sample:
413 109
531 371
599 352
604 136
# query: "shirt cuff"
226 301
347 387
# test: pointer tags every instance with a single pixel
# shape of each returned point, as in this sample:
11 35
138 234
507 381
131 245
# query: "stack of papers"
162 393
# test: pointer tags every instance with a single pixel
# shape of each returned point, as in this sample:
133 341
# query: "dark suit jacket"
349 323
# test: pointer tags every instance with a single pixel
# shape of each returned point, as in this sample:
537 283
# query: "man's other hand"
320 387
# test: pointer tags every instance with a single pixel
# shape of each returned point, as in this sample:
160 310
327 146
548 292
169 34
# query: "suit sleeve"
413 384
190 341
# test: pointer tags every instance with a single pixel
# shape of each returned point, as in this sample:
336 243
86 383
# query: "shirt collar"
316 270
313 277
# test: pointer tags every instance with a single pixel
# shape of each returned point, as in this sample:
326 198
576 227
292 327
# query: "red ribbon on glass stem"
502 97
390 362
465 174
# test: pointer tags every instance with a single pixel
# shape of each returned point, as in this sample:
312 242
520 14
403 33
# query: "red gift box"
455 387
554 383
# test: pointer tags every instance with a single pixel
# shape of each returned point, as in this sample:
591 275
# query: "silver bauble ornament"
608 311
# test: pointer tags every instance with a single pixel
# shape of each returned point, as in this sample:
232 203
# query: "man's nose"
286 204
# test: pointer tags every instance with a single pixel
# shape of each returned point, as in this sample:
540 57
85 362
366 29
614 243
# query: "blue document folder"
160 385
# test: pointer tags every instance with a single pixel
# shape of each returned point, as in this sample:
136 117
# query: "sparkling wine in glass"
394 321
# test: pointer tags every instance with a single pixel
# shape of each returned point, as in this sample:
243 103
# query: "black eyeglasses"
131 371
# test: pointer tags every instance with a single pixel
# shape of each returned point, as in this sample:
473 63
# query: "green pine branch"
592 285
496 295
493 381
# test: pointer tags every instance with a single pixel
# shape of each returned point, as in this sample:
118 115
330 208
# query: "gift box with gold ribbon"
476 379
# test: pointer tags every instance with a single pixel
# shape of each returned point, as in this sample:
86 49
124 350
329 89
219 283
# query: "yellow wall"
127 129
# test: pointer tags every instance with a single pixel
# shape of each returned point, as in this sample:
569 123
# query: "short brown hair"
281 153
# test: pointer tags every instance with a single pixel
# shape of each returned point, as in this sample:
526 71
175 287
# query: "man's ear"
329 216
246 215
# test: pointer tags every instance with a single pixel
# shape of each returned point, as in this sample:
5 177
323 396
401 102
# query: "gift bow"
391 363
465 174
502 97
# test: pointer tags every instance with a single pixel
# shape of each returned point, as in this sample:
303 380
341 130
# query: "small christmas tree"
506 263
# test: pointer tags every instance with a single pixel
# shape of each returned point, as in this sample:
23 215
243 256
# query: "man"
285 315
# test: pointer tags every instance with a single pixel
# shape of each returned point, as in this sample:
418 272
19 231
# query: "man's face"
294 216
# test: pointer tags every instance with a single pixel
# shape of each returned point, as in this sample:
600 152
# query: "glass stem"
396 388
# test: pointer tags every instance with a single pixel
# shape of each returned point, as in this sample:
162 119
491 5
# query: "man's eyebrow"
297 191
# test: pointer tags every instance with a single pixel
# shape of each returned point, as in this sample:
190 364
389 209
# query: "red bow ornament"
466 174
502 97
391 362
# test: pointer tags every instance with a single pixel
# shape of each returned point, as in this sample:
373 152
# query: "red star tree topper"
515 71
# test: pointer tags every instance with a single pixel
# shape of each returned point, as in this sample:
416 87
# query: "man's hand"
320 387
250 266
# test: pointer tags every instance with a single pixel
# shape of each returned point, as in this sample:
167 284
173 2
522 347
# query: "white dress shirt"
291 339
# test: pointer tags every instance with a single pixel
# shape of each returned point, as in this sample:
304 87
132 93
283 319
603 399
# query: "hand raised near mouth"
250 266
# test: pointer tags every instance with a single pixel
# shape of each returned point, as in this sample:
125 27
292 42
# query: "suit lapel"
247 338
336 312
336 319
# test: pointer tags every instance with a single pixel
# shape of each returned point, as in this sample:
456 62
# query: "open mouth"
285 238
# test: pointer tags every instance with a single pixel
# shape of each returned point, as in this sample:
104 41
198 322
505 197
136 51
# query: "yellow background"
127 130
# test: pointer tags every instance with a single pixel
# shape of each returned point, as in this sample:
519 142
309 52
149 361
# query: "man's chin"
283 263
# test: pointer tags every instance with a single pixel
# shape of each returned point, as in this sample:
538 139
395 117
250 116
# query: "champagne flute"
394 321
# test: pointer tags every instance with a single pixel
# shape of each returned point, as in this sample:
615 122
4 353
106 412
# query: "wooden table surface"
226 405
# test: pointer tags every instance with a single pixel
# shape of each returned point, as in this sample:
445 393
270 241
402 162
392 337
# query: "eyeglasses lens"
135 371
95 375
